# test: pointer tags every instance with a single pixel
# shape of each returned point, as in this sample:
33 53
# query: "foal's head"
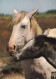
25 28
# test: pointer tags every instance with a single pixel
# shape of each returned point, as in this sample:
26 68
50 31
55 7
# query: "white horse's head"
25 28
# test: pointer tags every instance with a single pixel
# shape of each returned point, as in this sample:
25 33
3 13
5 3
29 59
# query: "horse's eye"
23 26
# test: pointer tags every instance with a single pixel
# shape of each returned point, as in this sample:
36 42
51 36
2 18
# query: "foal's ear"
32 13
46 32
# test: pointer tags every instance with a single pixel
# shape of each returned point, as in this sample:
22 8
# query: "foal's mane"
33 23
42 38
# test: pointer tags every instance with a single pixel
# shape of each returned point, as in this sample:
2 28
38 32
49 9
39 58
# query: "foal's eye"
23 26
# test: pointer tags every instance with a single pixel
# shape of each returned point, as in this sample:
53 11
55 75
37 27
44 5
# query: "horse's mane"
34 25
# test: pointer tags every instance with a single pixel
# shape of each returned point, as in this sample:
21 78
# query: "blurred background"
46 18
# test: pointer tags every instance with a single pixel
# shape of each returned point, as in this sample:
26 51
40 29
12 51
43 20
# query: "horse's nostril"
14 47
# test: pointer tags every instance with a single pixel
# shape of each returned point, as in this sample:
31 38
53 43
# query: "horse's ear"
15 12
32 13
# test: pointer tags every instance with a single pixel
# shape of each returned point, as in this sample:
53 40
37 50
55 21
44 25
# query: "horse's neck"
37 69
26 64
32 69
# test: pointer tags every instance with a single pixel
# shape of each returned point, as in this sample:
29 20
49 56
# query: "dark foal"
42 46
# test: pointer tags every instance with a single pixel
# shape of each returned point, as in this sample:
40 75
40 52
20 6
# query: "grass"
45 15
12 67
14 76
5 17
8 66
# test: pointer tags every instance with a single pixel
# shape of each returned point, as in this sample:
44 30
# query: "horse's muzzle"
11 49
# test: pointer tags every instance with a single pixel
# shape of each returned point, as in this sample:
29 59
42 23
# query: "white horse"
25 28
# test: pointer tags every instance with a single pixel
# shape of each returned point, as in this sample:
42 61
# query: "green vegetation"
51 11
12 67
46 15
5 17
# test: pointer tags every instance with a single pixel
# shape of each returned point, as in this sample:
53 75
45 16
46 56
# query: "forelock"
18 18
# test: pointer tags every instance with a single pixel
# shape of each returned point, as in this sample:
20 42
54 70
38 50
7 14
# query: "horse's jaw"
26 46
